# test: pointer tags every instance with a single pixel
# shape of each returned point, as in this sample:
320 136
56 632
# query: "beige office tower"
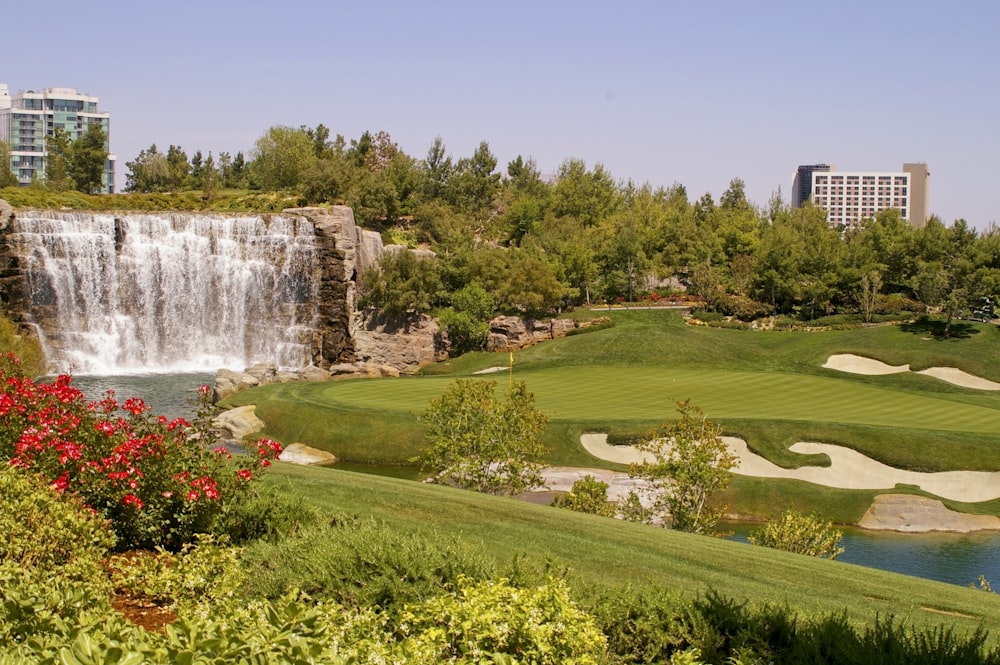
852 197
919 192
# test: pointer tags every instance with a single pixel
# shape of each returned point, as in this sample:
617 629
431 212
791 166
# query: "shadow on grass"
935 329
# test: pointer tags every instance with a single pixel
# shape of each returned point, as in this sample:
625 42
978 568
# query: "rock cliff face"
405 343
338 259
510 333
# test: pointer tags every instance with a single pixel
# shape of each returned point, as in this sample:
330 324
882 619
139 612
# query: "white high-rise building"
849 197
29 118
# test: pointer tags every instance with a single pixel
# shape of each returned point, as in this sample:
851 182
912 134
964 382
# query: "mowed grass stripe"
647 394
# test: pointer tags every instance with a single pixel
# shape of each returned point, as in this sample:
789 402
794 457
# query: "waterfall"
169 292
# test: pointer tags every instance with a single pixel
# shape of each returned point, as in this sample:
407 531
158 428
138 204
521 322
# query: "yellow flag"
511 358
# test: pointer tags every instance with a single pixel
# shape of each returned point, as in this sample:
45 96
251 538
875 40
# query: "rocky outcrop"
404 343
510 333
338 255
12 293
235 424
298 453
6 215
921 514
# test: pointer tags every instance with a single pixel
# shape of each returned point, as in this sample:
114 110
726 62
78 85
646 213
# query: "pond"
946 557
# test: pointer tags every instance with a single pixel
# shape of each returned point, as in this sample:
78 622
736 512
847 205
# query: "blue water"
170 395
945 557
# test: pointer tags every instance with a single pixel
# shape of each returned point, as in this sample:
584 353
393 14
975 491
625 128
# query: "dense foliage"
579 236
803 534
480 442
687 462
158 482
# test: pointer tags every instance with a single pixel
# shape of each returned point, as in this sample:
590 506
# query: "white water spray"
164 293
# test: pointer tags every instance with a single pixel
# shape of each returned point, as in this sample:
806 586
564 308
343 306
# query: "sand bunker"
848 469
848 362
960 378
491 370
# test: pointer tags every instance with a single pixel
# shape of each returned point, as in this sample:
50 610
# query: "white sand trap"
848 362
960 378
848 469
491 370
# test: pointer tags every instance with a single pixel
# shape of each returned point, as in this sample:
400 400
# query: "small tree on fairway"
688 462
803 534
483 443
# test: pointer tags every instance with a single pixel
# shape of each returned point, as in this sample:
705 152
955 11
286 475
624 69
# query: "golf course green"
768 387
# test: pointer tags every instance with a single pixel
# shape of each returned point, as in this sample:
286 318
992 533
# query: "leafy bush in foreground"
157 482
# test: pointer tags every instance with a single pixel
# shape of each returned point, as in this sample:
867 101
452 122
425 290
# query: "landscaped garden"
307 564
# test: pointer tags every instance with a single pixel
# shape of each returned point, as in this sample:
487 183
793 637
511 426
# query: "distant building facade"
849 197
28 119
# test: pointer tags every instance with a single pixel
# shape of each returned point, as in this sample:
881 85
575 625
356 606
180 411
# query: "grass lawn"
603 551
769 388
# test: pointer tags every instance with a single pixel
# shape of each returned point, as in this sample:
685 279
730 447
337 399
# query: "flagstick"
510 385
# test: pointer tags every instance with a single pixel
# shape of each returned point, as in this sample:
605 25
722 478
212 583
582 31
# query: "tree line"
71 164
515 240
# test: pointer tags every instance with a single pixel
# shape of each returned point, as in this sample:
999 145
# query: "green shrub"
51 577
464 332
480 620
360 564
266 513
802 534
49 532
26 350
201 572
588 495
643 625
706 316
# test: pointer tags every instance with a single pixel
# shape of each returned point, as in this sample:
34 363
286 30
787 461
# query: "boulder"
238 422
313 373
341 369
298 453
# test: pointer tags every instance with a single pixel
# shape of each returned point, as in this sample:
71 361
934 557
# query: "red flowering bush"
158 482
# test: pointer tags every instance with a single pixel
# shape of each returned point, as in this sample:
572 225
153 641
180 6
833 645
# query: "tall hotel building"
849 197
28 119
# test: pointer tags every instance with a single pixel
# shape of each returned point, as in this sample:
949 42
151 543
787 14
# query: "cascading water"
166 293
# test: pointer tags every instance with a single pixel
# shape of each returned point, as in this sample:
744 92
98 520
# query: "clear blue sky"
695 92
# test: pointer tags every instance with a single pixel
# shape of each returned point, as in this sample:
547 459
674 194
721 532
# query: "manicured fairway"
609 394
767 387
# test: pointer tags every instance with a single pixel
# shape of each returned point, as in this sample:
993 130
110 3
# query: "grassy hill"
603 552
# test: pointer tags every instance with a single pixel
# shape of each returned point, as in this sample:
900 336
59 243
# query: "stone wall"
510 333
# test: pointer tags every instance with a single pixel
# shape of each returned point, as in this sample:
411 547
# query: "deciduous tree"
148 173
482 442
7 176
280 157
88 156
687 462
57 163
